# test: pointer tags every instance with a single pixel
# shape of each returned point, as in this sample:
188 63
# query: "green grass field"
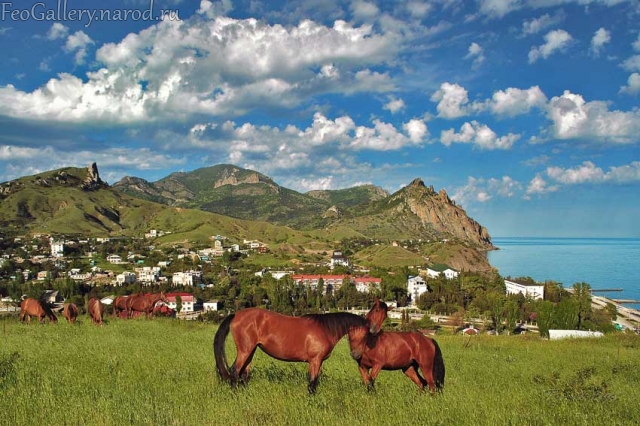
161 372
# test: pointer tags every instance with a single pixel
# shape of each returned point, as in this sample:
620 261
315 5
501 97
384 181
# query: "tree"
178 303
582 296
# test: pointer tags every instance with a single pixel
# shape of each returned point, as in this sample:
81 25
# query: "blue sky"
524 111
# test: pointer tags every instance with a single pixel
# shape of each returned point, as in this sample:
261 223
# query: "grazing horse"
96 310
119 305
144 303
70 312
406 351
309 338
35 308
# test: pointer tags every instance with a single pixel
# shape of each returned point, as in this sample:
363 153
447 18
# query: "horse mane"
337 324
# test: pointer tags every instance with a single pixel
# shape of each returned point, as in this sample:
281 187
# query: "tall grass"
161 372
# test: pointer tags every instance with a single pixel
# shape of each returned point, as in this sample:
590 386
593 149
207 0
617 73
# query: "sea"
603 263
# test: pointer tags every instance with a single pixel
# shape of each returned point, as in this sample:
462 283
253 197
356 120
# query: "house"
43 275
275 274
338 259
447 272
57 248
212 305
126 278
331 283
148 274
416 286
52 296
115 259
534 290
186 278
187 300
366 284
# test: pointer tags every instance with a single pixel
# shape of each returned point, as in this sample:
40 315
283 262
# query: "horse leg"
314 373
427 370
375 370
412 373
366 378
243 360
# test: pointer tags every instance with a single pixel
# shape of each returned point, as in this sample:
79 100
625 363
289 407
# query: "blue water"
600 262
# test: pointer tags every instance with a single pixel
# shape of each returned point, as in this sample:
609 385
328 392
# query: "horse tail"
438 367
218 348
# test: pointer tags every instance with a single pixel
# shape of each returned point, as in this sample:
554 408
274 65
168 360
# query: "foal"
406 351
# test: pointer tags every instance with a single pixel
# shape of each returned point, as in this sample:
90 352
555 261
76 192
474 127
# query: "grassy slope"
162 372
388 256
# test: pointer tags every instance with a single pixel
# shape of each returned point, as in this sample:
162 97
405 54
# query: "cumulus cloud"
514 101
636 44
555 41
219 67
364 10
483 190
599 39
633 85
538 186
452 100
480 135
536 25
498 8
78 43
588 172
632 63
394 105
418 9
57 31
213 9
573 117
475 53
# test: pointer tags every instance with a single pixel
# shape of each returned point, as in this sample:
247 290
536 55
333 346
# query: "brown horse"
119 305
70 312
144 303
96 311
406 351
309 338
35 308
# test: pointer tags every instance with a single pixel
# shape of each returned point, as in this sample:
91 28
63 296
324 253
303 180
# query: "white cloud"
416 130
538 185
573 117
633 85
57 31
555 41
394 105
385 137
632 63
317 184
499 8
213 9
78 42
418 9
588 172
636 44
452 100
514 101
220 67
364 10
476 53
483 190
480 135
599 39
545 21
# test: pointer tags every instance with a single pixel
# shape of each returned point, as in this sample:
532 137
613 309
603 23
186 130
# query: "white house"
534 290
57 248
148 274
416 286
188 301
211 305
186 278
366 284
114 258
338 259
126 278
448 273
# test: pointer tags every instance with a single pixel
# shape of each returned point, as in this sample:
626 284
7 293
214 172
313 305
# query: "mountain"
414 212
231 191
76 201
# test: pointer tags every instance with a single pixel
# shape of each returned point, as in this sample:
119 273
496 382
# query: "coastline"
628 317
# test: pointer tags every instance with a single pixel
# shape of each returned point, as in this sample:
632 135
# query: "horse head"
376 316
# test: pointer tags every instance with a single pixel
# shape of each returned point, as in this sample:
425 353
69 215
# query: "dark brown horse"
70 312
35 308
144 303
406 351
119 305
96 311
309 338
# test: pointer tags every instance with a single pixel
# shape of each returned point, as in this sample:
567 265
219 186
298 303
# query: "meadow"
161 372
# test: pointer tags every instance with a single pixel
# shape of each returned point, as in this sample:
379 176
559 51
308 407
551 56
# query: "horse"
119 305
35 308
70 312
96 310
309 338
406 351
143 303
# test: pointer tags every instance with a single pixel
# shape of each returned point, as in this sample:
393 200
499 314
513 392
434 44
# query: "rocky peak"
93 182
417 182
